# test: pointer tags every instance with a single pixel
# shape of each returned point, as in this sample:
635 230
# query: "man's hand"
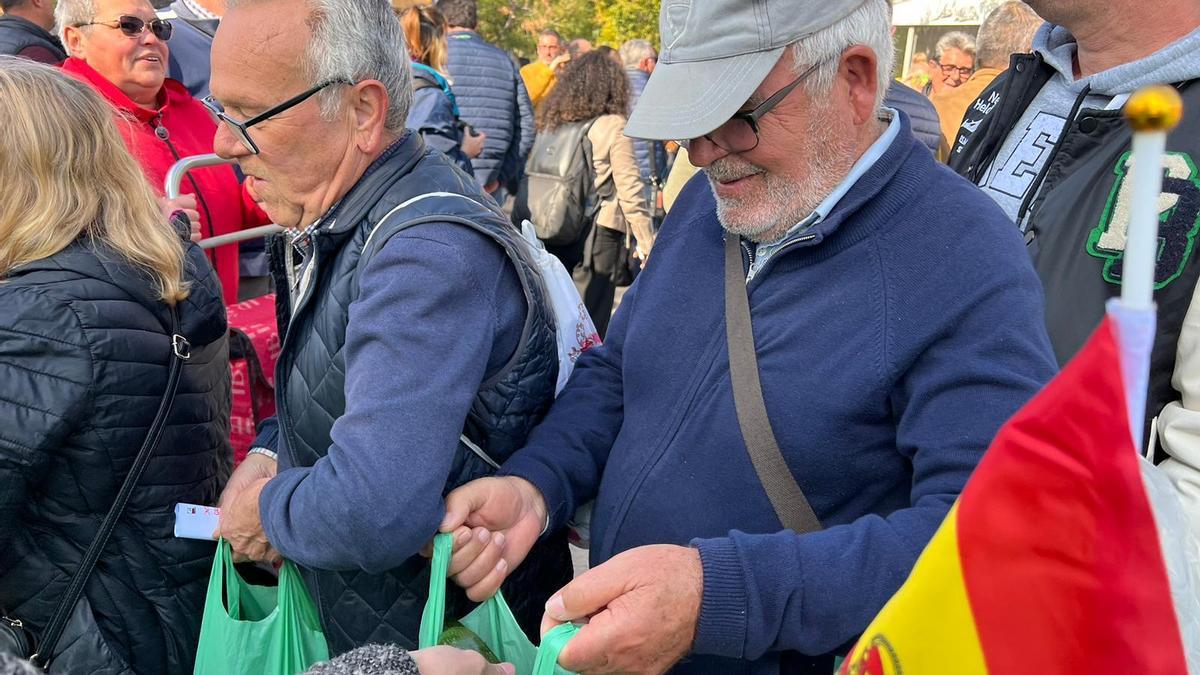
240 523
255 467
642 609
472 143
241 526
451 661
507 515
560 61
186 205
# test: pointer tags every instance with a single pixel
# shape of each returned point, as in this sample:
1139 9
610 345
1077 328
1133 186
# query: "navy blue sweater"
892 346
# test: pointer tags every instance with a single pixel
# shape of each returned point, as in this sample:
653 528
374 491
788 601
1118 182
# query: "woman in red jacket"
119 47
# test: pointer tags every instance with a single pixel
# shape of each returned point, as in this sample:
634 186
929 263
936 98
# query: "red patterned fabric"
252 321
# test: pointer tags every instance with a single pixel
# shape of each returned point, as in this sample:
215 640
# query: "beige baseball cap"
715 53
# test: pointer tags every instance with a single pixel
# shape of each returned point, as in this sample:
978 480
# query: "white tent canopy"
942 12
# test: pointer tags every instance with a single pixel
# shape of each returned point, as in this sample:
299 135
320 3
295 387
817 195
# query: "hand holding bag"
492 622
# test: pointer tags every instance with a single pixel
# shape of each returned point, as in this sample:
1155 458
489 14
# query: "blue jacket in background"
641 148
434 113
492 98
191 47
894 338
926 125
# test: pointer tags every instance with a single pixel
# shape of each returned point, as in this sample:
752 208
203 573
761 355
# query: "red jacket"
182 127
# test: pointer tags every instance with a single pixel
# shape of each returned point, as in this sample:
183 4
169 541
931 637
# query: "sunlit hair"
591 86
425 31
66 174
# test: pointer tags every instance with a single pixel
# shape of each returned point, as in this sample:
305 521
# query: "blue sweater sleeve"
565 455
987 356
421 338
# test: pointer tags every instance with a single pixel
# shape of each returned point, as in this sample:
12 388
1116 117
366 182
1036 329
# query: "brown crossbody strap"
785 494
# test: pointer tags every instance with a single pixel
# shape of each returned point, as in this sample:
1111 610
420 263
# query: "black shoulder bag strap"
788 500
180 352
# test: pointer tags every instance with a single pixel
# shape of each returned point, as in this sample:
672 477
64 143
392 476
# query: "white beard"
767 218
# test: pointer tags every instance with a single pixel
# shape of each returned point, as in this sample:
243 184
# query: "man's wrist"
534 500
265 452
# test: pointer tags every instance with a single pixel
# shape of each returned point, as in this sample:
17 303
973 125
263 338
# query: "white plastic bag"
574 327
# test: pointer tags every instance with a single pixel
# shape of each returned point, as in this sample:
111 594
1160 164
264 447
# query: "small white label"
196 522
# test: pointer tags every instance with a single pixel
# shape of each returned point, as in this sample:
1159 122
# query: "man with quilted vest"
417 346
1047 142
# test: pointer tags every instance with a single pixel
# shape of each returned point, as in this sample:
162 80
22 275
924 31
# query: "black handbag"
16 637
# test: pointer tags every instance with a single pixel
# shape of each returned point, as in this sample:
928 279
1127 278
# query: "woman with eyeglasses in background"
119 47
434 111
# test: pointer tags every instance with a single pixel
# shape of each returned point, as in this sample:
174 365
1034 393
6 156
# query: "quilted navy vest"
413 185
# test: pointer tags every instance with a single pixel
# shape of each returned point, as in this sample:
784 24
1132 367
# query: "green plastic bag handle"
553 643
433 619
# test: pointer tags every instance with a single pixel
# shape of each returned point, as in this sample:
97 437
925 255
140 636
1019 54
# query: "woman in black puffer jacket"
88 269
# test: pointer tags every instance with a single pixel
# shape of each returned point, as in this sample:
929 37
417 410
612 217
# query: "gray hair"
72 13
357 40
1006 31
955 39
633 51
868 25
550 32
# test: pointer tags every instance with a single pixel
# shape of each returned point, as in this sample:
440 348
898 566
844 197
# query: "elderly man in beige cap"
830 331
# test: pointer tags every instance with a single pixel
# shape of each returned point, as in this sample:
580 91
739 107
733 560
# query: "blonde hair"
425 30
66 173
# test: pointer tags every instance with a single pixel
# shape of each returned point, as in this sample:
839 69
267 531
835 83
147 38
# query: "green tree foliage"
514 24
621 20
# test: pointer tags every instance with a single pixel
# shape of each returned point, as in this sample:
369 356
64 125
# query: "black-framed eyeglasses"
241 130
740 133
134 26
964 71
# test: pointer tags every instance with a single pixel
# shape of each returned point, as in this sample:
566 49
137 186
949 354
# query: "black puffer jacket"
84 353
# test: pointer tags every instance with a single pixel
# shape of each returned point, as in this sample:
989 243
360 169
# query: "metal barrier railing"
171 189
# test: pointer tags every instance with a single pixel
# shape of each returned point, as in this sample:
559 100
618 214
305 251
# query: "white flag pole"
1152 112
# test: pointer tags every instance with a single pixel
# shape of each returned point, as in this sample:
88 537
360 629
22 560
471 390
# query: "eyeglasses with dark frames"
241 130
134 26
947 69
740 133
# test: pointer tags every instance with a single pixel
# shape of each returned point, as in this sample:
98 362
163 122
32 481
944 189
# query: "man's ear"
859 72
369 103
75 42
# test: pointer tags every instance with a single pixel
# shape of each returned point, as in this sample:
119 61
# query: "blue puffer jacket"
434 113
641 148
921 113
492 98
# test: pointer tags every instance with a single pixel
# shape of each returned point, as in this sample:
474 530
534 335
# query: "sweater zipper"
783 249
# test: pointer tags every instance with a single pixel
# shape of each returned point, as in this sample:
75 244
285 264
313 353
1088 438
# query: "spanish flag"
1050 562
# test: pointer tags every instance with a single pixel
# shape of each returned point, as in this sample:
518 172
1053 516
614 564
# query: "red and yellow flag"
1050 561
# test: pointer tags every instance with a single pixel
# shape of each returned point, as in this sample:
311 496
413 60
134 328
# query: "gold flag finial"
1154 108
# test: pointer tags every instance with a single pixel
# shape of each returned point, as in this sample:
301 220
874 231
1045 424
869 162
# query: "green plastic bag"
492 621
257 630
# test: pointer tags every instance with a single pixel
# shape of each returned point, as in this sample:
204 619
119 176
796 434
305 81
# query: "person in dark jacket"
491 98
434 112
891 337
639 58
25 31
1047 142
419 348
87 281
